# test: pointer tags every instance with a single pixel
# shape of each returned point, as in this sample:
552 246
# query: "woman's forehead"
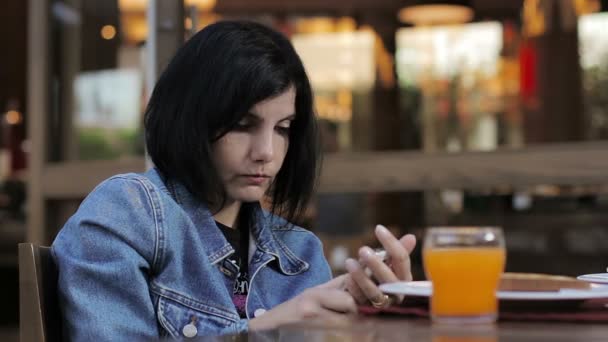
280 106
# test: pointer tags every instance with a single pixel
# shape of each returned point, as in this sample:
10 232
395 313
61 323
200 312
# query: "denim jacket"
141 259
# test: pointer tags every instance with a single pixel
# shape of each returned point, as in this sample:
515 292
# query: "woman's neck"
228 214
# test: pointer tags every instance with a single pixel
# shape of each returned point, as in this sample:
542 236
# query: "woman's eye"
283 130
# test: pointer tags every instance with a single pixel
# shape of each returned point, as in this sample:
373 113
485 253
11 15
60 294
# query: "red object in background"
509 34
283 25
528 58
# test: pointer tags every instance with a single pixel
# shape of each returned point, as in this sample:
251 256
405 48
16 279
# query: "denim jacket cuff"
242 326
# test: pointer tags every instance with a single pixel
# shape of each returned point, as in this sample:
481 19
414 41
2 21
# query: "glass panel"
488 85
594 62
97 97
548 229
452 82
341 68
478 86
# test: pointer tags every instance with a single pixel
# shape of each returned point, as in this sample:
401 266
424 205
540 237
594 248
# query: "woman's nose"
262 147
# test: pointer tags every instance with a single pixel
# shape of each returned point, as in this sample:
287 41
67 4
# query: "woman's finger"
409 242
365 284
381 272
336 300
351 286
400 257
336 283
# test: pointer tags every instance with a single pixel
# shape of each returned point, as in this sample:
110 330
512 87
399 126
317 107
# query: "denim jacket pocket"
183 317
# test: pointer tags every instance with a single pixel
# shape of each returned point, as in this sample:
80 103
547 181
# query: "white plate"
424 289
601 278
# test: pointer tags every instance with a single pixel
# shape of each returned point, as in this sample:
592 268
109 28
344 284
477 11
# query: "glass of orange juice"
464 265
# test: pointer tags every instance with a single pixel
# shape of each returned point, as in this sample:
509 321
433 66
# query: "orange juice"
464 280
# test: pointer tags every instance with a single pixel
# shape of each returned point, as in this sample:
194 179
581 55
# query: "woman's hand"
327 302
361 286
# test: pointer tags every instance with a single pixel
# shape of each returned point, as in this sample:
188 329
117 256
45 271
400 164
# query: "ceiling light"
108 32
441 12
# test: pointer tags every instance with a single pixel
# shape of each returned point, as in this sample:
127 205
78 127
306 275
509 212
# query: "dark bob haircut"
210 84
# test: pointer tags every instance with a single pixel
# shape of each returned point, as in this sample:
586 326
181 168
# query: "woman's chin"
249 195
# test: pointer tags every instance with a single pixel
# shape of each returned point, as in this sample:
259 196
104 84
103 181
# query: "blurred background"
482 112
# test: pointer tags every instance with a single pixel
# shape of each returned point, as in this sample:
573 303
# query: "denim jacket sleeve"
106 254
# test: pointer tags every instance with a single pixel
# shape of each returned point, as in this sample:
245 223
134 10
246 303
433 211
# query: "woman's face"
249 157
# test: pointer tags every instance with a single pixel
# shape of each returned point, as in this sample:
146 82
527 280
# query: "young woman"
185 249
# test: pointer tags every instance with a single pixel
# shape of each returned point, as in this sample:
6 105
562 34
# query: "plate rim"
565 294
594 278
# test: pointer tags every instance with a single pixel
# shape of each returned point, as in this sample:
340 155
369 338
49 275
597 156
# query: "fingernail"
365 252
350 264
381 229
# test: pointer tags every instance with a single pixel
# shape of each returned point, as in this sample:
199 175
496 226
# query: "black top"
236 265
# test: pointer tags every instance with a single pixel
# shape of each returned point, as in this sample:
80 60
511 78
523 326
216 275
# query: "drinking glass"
464 265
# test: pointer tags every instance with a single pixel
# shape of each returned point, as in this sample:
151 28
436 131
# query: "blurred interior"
488 113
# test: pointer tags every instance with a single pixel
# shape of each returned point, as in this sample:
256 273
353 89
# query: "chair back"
39 315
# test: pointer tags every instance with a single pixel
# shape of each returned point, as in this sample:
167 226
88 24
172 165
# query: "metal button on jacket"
189 330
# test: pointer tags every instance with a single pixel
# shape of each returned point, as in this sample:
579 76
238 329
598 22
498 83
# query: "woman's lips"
255 179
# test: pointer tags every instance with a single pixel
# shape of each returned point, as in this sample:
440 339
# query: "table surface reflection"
394 328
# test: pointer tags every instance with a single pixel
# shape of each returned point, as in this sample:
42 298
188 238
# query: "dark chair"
39 316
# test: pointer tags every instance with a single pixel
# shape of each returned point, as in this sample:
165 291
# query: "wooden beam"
567 164
37 106
555 164
165 36
74 180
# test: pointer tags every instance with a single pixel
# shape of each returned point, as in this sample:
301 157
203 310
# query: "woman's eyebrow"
254 116
257 117
289 117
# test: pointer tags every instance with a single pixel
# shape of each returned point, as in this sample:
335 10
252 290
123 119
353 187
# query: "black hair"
208 87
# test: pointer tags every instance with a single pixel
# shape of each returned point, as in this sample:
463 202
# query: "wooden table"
394 328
